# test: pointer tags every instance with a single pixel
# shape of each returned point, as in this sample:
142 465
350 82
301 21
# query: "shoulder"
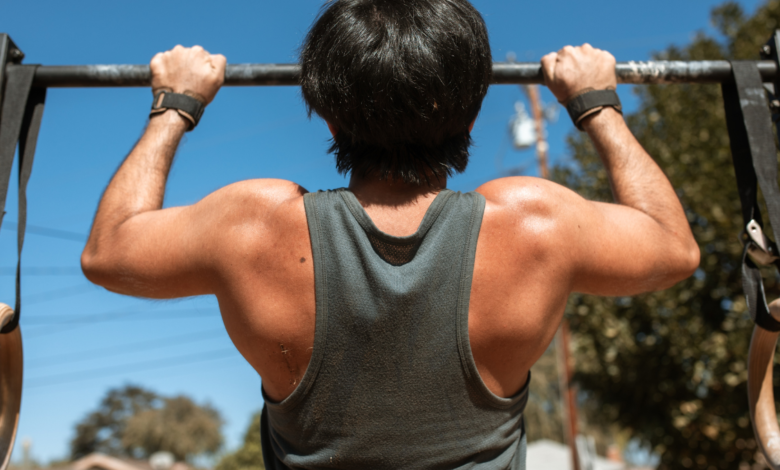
249 208
531 196
265 191
251 199
538 212
244 219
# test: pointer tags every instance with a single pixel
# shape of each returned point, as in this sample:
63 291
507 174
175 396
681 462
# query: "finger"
219 60
218 63
567 50
156 60
548 66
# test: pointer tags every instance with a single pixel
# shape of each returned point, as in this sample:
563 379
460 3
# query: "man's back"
269 305
524 271
392 317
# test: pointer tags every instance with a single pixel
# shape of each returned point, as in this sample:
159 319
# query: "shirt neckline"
362 217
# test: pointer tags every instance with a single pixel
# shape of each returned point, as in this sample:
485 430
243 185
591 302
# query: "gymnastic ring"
10 384
761 395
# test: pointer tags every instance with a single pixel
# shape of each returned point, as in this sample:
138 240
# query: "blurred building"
551 455
107 462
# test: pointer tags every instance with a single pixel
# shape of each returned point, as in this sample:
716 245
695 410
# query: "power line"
167 374
43 320
117 350
60 293
182 371
141 366
48 232
42 271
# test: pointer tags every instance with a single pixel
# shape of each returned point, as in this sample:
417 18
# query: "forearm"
139 184
636 179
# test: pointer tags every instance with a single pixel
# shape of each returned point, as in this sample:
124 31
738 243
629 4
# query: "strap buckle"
760 248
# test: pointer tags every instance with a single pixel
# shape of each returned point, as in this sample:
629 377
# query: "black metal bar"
5 43
706 71
8 53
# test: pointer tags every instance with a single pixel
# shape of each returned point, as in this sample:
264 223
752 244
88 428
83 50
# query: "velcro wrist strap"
584 105
188 107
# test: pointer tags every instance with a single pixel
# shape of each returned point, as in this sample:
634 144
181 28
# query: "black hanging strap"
754 155
20 121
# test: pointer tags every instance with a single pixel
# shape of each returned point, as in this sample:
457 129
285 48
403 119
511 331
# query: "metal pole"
568 391
541 143
705 71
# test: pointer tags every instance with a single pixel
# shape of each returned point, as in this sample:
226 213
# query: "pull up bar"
504 73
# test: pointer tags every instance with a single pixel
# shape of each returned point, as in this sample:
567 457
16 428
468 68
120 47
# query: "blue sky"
81 340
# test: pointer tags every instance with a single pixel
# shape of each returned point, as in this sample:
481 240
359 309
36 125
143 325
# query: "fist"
573 70
188 70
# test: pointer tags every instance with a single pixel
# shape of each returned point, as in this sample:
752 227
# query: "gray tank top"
392 383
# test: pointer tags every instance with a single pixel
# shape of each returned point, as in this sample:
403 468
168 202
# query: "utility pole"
26 460
541 142
568 392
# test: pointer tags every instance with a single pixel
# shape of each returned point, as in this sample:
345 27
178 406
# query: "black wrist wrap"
584 105
188 107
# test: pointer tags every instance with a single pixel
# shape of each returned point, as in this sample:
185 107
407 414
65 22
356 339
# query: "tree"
250 455
102 429
671 367
543 414
133 422
180 427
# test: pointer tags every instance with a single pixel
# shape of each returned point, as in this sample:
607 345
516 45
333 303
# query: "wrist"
605 116
170 118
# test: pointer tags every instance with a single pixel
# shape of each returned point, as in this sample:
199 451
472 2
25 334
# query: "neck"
375 192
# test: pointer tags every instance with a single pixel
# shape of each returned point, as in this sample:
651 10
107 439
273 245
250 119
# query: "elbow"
688 258
95 266
682 265
692 259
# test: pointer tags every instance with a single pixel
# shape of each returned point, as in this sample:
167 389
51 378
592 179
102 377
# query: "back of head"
401 80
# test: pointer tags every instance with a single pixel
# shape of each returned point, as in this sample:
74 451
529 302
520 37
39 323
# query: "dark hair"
401 80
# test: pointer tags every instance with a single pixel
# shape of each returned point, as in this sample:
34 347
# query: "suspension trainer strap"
755 164
20 121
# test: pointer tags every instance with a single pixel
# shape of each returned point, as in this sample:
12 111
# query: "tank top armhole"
321 308
474 380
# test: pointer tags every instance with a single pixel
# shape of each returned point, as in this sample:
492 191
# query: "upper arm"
179 251
597 248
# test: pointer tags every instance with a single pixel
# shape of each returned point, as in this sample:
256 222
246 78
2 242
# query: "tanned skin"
248 243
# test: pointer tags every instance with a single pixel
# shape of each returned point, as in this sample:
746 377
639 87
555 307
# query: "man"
393 323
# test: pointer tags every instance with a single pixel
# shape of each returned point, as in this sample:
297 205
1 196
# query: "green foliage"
250 455
671 367
180 427
133 422
543 414
102 429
